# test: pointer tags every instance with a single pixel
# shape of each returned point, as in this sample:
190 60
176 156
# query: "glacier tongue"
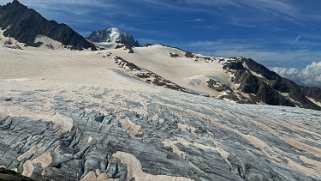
165 135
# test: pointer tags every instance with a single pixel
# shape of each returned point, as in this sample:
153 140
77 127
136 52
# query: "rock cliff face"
25 25
312 92
92 133
269 87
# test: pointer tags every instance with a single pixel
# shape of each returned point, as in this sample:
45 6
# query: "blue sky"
277 33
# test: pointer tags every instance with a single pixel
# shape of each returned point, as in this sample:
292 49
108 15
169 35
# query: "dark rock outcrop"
173 55
219 87
9 175
269 87
148 76
26 24
313 92
125 47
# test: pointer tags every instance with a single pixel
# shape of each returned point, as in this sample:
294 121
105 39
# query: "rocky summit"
24 25
113 35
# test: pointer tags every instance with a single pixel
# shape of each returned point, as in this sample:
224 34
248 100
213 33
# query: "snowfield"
77 115
180 70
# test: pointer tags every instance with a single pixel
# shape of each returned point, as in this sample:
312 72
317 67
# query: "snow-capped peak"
112 35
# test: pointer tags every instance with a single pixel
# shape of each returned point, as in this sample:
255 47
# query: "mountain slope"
239 79
272 88
113 35
150 133
25 25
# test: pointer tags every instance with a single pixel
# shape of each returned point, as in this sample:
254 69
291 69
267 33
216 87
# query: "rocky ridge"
260 83
269 87
25 25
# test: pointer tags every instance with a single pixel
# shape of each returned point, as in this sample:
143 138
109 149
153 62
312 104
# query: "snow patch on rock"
48 42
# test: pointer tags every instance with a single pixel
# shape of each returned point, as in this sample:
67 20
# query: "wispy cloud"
186 20
297 39
276 8
257 50
107 8
125 27
272 7
246 13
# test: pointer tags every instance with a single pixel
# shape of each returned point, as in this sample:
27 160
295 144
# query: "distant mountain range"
245 81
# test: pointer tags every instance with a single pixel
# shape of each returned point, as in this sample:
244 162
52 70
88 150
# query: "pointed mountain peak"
113 35
16 3
25 25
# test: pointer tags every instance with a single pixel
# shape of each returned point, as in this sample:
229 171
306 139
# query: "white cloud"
262 5
310 75
63 8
